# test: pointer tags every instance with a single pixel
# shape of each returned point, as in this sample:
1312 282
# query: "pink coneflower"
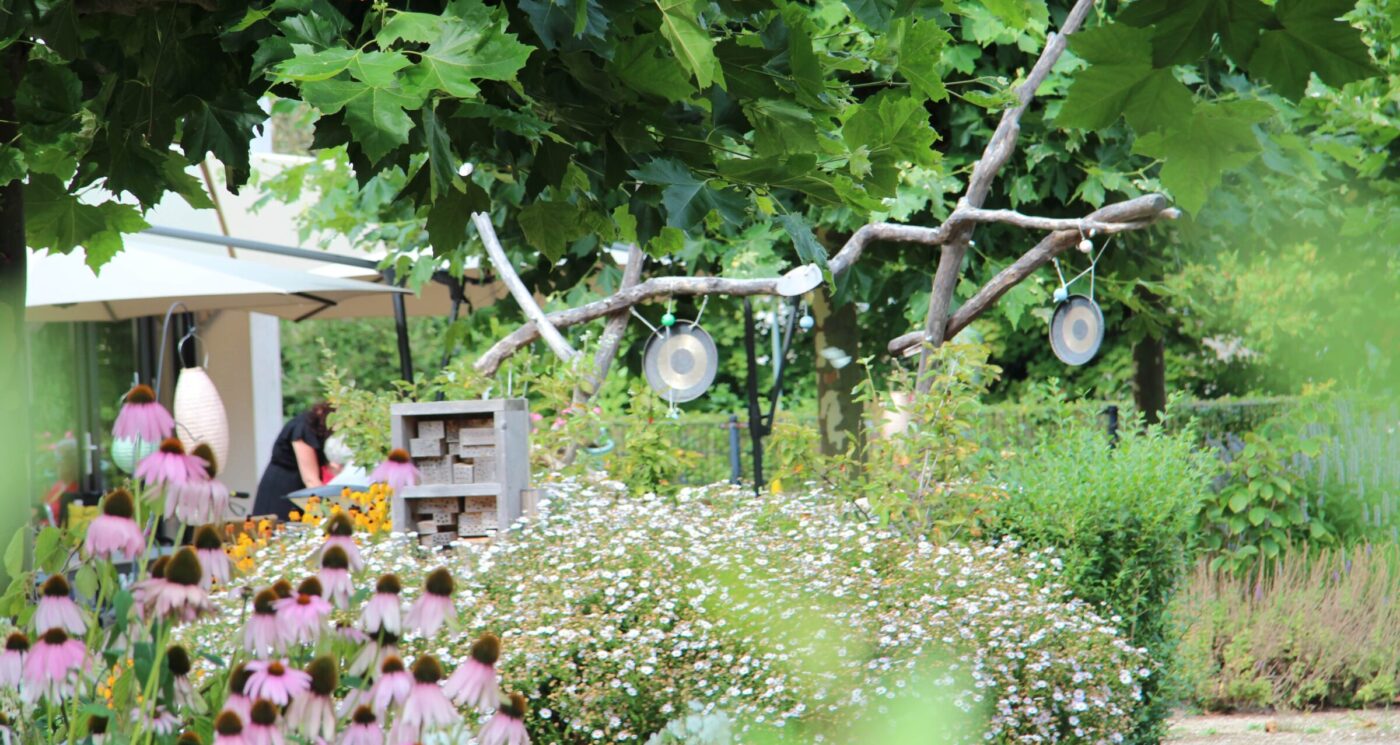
392 687
142 417
228 730
199 500
52 665
262 726
383 612
373 654
275 681
397 471
263 635
507 725
434 606
313 712
115 530
171 466
237 700
161 721
57 609
177 661
427 707
143 590
12 660
340 531
180 597
209 547
473 683
302 617
335 576
364 729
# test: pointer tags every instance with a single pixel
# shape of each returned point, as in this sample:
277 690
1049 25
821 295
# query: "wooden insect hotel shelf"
474 457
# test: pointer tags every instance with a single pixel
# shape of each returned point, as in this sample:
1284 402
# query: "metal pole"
1112 413
755 416
401 329
736 468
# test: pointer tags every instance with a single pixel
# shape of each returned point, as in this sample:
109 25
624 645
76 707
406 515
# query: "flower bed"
617 612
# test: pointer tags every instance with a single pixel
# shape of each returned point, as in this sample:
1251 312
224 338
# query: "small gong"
1076 330
681 362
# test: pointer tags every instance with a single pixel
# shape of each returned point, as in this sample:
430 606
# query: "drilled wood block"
425 447
476 436
437 504
435 470
478 504
427 526
484 469
436 539
431 429
462 473
475 451
444 518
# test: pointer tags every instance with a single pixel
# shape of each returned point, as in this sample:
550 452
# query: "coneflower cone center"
207 539
55 637
487 649
141 394
118 503
184 569
228 724
324 676
388 585
399 455
363 716
178 660
264 713
309 586
172 446
440 583
17 642
335 558
263 603
515 706
340 525
427 670
56 587
283 588
207 453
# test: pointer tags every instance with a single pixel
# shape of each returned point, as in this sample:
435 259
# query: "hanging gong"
681 362
1076 330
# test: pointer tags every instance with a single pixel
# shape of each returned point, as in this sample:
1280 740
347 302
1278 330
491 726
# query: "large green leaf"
466 44
691 43
375 113
808 249
218 127
1121 81
643 65
687 198
1217 138
1311 40
442 163
58 221
891 128
920 57
551 226
1182 29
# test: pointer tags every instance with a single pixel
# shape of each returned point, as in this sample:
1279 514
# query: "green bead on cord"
669 319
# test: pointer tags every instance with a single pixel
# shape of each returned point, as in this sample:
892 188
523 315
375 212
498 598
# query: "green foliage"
1263 508
1120 518
649 460
1319 629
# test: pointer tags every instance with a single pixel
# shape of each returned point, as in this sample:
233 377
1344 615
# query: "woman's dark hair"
317 417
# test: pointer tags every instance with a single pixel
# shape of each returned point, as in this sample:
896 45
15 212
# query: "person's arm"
307 463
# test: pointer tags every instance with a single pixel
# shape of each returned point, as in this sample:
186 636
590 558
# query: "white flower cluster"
617 611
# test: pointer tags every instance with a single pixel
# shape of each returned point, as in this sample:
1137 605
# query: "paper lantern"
126 453
200 415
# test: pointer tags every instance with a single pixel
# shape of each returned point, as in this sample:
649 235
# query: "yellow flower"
294 515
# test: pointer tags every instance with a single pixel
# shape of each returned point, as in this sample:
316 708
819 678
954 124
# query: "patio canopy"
145 280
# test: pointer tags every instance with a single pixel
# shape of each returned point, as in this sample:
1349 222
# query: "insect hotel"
474 459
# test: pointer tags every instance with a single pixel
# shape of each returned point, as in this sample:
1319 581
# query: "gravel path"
1319 728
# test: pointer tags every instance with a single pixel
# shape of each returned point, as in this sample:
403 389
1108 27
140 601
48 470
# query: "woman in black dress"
297 458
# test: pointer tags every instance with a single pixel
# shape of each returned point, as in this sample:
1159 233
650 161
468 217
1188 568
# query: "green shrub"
1319 630
1121 517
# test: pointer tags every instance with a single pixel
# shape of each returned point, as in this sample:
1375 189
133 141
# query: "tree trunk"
16 446
838 413
1150 377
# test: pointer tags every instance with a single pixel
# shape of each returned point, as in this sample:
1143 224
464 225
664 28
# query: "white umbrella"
145 280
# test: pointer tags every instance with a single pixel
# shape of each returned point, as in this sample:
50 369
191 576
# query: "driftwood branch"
506 272
614 329
994 157
1114 218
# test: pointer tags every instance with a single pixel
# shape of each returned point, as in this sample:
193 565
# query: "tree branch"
613 331
994 156
1114 218
501 262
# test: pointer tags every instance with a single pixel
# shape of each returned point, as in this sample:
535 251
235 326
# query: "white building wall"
245 362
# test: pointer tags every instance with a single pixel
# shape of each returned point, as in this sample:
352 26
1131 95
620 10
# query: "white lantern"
200 415
126 453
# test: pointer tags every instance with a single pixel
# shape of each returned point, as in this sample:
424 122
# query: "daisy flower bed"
790 616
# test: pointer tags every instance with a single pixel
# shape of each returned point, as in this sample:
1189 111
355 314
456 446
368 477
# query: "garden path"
1317 728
